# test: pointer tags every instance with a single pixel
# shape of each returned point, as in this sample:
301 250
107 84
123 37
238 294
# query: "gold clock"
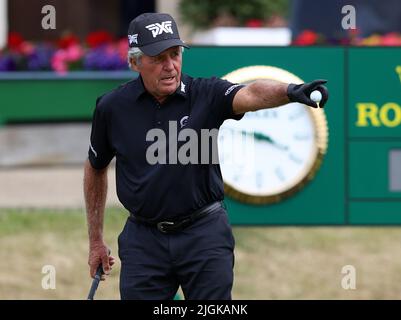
271 154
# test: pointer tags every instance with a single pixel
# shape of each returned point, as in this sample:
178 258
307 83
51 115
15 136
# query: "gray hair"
136 53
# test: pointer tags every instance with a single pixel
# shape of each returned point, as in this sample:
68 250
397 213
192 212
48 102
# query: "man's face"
161 74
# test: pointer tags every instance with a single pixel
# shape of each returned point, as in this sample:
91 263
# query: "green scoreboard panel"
374 135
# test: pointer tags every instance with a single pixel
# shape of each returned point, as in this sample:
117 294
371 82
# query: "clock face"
269 154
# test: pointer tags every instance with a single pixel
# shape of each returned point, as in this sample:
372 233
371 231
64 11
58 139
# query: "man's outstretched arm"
95 192
264 94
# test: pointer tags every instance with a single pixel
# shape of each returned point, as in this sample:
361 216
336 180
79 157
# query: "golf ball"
316 96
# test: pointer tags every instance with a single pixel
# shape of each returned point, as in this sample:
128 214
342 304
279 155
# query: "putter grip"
99 272
95 282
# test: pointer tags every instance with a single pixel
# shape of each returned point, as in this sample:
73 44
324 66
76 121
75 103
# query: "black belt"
180 223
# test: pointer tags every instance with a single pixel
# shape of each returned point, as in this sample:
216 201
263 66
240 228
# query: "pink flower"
60 68
74 53
27 48
391 39
59 62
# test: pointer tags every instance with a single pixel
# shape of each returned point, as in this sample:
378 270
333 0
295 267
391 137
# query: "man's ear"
134 64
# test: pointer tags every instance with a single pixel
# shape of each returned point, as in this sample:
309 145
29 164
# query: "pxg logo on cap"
154 33
159 28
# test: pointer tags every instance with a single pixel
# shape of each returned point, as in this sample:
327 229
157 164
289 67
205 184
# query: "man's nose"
168 64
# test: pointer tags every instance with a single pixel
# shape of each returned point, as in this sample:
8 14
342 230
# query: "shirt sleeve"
221 96
100 151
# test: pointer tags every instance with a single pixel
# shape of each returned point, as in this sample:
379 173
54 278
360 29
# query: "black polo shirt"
121 121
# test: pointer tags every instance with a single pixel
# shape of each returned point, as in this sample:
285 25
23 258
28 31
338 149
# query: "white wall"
3 23
171 7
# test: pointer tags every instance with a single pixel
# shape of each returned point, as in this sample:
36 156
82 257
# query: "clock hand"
262 137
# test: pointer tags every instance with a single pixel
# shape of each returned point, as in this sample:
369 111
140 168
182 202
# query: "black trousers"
199 258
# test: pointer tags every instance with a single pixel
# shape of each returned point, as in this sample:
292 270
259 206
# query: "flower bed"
100 51
310 38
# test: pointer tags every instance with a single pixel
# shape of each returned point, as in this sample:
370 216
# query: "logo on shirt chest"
184 121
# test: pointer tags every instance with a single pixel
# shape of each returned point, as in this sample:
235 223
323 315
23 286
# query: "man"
177 233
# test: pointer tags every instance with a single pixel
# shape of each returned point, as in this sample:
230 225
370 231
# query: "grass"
271 262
